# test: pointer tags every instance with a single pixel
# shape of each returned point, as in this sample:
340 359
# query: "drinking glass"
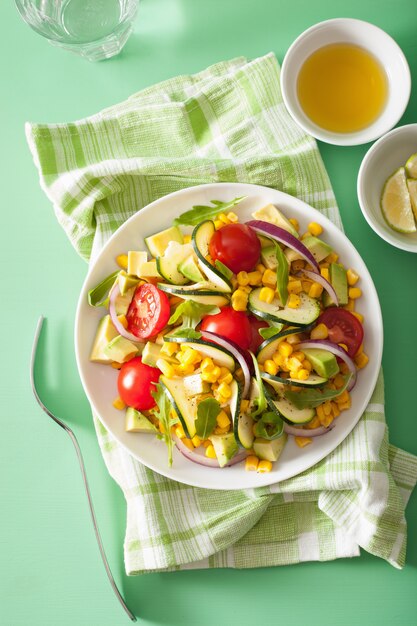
94 29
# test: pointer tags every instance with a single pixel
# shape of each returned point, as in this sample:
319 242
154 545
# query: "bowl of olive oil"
345 81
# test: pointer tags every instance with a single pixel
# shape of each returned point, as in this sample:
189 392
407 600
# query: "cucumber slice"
204 293
277 382
220 356
235 400
243 429
167 265
184 406
270 346
291 414
306 314
200 238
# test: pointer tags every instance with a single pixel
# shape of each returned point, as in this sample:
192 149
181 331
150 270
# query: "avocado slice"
136 422
269 257
338 279
271 214
134 262
269 450
152 352
189 269
225 447
158 243
105 333
126 282
120 349
318 248
323 362
123 301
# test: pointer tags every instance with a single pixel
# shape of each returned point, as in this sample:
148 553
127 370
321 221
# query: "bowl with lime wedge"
387 187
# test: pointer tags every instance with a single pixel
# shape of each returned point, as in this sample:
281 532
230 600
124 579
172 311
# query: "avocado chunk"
151 353
323 362
136 422
149 270
269 257
225 447
120 349
338 279
318 248
269 450
271 214
123 301
189 269
105 333
126 282
158 243
134 262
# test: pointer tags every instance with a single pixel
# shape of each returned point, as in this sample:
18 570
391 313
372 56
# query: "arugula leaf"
200 213
98 295
164 415
223 269
188 333
282 275
270 426
207 412
192 313
259 402
313 397
271 331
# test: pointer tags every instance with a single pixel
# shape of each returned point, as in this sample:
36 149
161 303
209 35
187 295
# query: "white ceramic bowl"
378 43
382 159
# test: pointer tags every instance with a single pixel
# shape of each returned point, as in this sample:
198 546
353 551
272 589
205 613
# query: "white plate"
99 381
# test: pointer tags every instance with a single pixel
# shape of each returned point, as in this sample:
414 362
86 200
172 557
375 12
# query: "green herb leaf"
164 415
98 295
200 213
310 398
270 426
188 333
223 269
207 412
271 331
259 402
192 313
282 275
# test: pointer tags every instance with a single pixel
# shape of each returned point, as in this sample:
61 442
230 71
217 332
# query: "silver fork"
82 467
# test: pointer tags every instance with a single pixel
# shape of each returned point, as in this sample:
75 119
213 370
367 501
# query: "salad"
231 336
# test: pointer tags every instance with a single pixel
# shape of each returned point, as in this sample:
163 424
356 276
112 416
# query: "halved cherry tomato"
237 246
136 382
256 339
230 324
343 328
148 313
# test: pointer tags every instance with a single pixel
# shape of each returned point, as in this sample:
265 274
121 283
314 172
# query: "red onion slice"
201 459
318 278
116 322
304 432
324 344
283 236
236 352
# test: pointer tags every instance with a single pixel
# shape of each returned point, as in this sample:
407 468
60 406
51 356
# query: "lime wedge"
412 190
396 205
411 166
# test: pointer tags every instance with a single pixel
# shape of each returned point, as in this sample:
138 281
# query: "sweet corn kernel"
352 277
218 224
315 229
285 349
266 294
303 374
255 278
244 406
302 442
191 357
225 376
115 365
185 369
179 431
207 365
121 261
327 408
251 463
338 381
216 372
210 452
319 332
232 217
325 273
264 467
118 404
320 413
278 359
335 409
314 423
294 222
343 397
239 374
306 285
350 306
188 443
224 390
239 300
297 265
361 360
207 376
223 420
196 441
242 279
223 218
270 367
355 293
343 346
328 419
307 365
169 348
187 238
344 406
315 290
293 301
344 368
260 268
294 364
295 286
269 278
166 368
206 443
332 257
358 316
161 428
293 340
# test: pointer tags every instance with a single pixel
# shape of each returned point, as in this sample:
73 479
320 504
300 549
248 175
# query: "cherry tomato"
237 246
343 328
230 324
148 313
135 384
256 339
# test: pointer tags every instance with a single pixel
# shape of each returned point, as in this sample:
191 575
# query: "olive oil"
342 88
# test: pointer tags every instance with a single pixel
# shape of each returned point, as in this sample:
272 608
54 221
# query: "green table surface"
51 572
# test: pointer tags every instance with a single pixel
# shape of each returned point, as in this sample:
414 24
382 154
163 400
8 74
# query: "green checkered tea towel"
227 123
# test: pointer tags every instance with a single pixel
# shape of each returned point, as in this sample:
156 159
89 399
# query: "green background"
50 567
